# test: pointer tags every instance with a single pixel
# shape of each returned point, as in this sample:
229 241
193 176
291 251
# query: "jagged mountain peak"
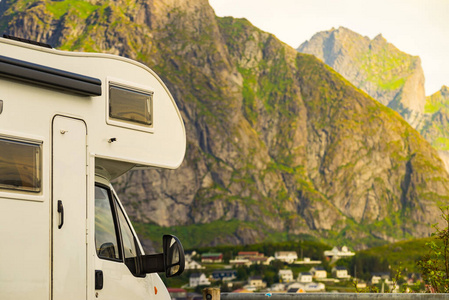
389 75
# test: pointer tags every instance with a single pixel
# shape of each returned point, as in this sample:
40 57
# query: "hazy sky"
417 27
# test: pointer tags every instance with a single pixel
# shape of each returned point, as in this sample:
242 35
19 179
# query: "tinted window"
20 165
131 106
105 230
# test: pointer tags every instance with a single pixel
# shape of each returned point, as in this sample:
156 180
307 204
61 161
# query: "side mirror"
172 261
173 255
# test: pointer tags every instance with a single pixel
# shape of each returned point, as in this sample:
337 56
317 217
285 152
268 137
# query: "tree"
435 264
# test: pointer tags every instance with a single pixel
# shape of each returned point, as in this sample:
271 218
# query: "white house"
190 264
286 275
278 287
305 277
286 256
340 272
318 272
296 288
257 282
193 265
240 262
379 276
307 261
198 279
314 287
339 253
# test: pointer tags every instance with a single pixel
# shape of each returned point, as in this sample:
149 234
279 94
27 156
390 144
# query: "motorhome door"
69 257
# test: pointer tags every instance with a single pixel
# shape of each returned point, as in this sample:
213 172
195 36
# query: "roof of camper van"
44 82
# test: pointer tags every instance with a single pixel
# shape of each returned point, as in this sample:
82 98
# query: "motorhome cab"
69 124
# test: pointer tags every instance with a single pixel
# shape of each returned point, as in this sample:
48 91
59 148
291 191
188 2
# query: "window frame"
116 226
39 166
115 206
133 87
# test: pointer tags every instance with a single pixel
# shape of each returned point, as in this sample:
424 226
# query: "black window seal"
49 77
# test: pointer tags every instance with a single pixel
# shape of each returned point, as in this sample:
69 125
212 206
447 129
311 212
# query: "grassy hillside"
401 256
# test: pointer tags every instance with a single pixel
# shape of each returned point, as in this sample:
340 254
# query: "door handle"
98 279
61 211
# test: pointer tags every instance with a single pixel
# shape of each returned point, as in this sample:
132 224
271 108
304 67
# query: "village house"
193 265
257 282
377 277
198 279
225 275
277 287
340 272
337 253
307 261
286 256
249 258
296 288
240 262
314 287
286 275
305 277
318 272
212 257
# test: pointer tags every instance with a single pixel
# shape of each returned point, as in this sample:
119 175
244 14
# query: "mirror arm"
153 263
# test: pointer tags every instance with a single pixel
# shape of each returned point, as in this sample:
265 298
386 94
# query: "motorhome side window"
130 105
106 241
20 165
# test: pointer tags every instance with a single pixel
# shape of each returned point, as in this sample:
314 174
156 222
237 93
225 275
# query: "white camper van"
69 124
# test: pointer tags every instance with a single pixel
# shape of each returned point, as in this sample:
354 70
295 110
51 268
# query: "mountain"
387 74
435 128
279 145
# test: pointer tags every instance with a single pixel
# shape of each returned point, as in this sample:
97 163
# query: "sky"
416 27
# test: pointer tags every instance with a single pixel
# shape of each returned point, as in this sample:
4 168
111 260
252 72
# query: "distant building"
286 256
307 261
198 279
377 277
296 288
212 257
286 275
278 287
225 275
257 282
249 258
318 272
305 277
314 287
340 272
193 265
339 253
249 254
240 262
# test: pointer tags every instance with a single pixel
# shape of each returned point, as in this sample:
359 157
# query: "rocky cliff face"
388 75
436 125
279 144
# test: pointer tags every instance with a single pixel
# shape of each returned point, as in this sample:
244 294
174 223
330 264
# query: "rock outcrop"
390 76
279 145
